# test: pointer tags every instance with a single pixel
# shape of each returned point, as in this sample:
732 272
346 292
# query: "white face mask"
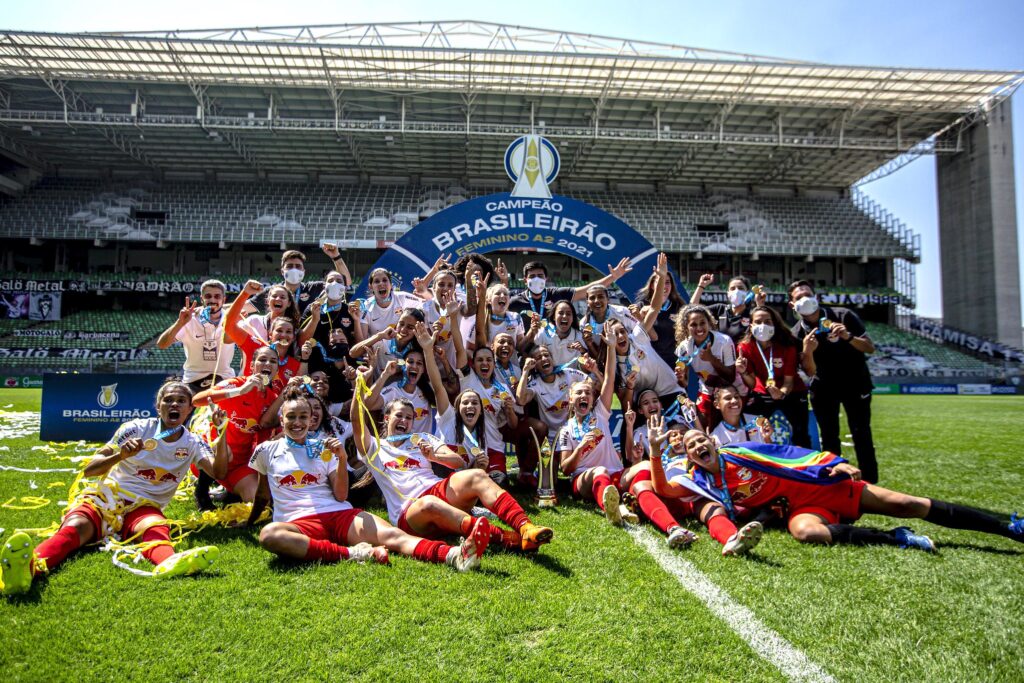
335 290
808 305
536 284
293 276
762 331
737 297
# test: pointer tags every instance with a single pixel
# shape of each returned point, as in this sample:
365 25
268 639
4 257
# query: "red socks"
655 510
158 553
325 551
721 528
56 548
601 482
509 511
431 551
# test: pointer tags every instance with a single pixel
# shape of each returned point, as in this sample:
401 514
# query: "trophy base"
547 501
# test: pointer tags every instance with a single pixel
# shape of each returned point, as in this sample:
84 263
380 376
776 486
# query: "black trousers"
858 413
794 407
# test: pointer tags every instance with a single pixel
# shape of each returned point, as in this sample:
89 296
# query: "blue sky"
962 35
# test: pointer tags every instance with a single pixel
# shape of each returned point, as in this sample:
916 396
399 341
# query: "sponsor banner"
1005 390
948 335
93 406
886 389
44 306
76 354
928 389
22 382
974 389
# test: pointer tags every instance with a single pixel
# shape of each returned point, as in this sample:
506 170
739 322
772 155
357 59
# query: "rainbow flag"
788 462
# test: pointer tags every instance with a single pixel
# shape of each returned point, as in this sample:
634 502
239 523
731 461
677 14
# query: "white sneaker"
478 511
463 557
744 540
628 515
610 498
679 537
360 552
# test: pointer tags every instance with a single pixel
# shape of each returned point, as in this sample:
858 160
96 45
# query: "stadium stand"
900 353
275 212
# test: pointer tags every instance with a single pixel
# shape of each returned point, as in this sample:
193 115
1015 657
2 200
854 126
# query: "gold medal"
416 439
826 324
770 384
326 456
149 445
400 363
758 289
761 422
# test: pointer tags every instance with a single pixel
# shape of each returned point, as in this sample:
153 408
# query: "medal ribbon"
312 446
686 359
327 357
543 300
767 361
580 430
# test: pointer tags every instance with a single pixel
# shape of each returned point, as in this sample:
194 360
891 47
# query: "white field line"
779 652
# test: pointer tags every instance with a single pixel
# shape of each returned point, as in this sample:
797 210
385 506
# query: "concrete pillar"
978 231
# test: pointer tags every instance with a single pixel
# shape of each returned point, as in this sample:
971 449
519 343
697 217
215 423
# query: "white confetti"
32 484
17 424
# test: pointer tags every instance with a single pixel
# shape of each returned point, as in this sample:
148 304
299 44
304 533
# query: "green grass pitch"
593 606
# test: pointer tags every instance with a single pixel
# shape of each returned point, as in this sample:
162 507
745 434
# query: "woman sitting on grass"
313 521
140 468
418 500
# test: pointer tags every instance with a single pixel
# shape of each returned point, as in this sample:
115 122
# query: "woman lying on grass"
313 521
140 468
823 492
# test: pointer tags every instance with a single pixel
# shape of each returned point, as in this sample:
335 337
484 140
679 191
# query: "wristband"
232 393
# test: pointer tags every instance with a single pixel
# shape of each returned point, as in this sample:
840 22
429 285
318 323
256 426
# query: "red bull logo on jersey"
421 413
748 489
298 479
245 424
559 406
156 474
403 463
180 453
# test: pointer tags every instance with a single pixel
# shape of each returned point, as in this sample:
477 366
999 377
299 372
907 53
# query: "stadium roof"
443 99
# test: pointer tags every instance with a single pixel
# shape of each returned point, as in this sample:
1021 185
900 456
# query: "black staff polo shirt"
841 367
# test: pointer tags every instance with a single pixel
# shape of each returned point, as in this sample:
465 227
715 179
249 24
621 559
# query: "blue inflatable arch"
500 222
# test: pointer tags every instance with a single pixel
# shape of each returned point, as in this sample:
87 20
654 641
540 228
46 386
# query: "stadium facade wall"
978 231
